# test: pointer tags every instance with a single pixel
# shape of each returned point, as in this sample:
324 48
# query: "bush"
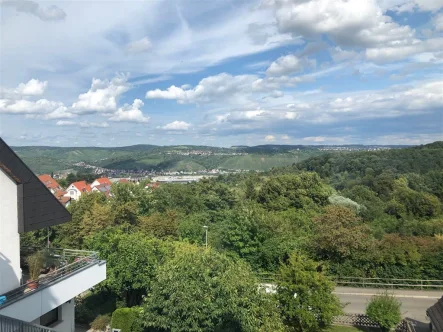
384 309
100 322
125 319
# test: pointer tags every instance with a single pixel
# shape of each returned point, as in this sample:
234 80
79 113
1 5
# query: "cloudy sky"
223 72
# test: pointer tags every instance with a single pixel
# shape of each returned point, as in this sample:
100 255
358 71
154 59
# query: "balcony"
11 324
73 272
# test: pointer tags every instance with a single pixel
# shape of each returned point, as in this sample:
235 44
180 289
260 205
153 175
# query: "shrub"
100 322
125 319
384 309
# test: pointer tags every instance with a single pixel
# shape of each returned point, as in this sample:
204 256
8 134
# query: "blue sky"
222 73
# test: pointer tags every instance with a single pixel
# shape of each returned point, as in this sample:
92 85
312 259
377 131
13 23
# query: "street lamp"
206 231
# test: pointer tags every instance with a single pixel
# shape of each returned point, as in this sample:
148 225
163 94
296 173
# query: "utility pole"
206 237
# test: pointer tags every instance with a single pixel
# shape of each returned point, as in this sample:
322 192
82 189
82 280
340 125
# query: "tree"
305 295
132 260
384 309
202 290
339 233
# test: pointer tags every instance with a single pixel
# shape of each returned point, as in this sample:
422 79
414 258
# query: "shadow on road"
420 326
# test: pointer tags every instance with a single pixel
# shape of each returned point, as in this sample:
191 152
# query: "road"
414 302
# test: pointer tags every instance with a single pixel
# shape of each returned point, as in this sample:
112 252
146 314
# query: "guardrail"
8 324
268 277
389 283
70 262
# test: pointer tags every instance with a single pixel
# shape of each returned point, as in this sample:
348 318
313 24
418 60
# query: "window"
50 317
72 192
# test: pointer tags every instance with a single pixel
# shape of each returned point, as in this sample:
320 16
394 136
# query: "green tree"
305 295
132 261
384 309
202 290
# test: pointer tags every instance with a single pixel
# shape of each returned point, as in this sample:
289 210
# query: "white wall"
76 195
67 317
10 272
41 301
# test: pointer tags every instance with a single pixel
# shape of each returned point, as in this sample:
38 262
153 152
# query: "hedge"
125 319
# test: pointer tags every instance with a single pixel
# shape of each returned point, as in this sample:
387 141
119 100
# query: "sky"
221 73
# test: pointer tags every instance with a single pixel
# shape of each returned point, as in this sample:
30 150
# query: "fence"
8 324
388 283
365 321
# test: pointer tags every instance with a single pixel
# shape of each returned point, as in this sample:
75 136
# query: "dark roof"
435 313
37 206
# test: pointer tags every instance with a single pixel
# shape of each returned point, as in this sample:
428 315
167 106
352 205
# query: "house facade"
45 303
76 189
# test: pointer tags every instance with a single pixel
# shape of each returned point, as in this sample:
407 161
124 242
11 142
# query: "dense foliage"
366 214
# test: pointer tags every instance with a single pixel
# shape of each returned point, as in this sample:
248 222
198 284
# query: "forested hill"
419 159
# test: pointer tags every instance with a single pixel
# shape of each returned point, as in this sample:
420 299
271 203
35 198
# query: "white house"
47 303
76 189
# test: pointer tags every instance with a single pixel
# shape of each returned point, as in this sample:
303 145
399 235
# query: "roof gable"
49 182
37 206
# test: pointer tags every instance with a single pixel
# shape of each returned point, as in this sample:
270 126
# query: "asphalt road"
414 302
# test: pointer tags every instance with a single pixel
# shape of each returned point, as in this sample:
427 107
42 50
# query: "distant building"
102 188
50 183
101 181
76 189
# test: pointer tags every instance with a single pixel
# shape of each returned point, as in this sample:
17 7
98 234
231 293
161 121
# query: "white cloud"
316 139
33 87
347 22
130 113
23 106
59 113
438 22
65 123
177 125
103 95
228 88
50 13
139 46
269 138
285 65
285 137
397 52
411 5
94 124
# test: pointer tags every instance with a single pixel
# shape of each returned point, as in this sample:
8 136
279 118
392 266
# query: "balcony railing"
68 262
8 324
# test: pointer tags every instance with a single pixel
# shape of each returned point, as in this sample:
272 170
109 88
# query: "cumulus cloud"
50 13
33 87
346 22
130 113
285 137
139 46
269 138
102 96
285 65
177 125
61 112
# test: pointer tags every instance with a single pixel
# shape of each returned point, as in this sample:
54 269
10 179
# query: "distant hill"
46 159
417 159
